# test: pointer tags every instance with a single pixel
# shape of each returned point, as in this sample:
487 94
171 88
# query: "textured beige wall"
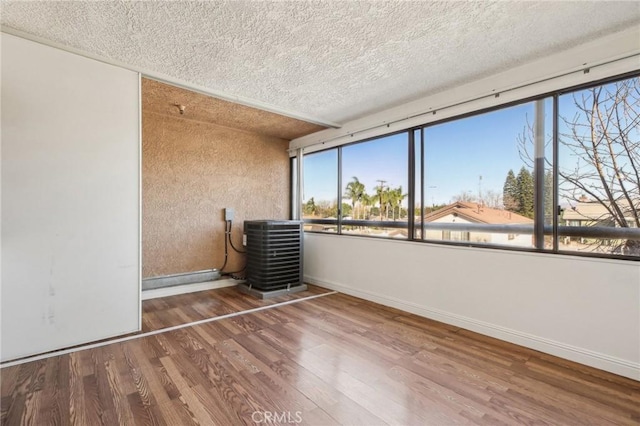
162 98
192 170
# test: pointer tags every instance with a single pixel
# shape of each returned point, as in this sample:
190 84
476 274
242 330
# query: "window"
558 174
319 195
599 169
374 187
455 235
479 176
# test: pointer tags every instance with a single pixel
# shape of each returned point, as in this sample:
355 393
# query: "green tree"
347 210
309 209
382 196
395 201
525 197
367 202
510 197
354 191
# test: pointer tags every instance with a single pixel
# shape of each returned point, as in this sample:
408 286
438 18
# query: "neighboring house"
473 213
594 213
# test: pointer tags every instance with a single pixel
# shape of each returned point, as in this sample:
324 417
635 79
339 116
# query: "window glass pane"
320 193
374 187
479 177
599 169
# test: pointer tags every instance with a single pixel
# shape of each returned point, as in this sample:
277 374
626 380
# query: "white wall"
70 199
582 309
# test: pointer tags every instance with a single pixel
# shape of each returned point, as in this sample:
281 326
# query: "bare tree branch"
600 131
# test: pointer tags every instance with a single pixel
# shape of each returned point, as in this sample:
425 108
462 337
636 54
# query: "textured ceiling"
332 60
162 98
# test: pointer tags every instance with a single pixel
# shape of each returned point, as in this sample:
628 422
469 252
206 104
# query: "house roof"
330 61
477 213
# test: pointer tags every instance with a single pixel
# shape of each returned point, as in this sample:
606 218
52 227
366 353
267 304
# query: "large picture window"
374 187
599 169
480 172
559 173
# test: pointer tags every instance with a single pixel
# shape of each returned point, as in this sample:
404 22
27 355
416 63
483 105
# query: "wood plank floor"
168 311
330 360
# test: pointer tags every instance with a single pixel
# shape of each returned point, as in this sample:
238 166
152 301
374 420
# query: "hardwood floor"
334 359
185 308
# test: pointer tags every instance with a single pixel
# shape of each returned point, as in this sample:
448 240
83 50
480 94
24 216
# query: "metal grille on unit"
274 254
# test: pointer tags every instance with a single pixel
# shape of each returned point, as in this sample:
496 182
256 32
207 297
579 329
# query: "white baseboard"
580 355
188 288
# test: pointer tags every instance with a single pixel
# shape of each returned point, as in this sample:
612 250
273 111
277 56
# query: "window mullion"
422 183
538 169
339 198
411 207
556 198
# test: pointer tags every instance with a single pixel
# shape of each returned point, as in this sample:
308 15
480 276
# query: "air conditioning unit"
274 254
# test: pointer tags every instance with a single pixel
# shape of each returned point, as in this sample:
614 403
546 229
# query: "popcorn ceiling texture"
191 171
333 60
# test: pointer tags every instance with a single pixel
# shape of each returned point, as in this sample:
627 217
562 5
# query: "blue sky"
385 159
457 153
569 161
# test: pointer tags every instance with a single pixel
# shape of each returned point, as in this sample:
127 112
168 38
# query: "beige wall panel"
191 171
162 98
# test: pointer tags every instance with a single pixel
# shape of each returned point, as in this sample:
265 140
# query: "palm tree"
367 202
396 196
392 197
382 194
389 202
354 191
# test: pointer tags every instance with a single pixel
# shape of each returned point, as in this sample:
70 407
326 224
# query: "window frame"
556 230
340 221
332 222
